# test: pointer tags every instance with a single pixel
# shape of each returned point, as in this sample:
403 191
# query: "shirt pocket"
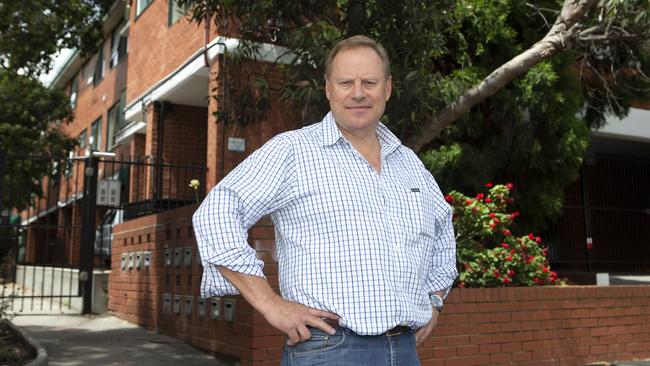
409 208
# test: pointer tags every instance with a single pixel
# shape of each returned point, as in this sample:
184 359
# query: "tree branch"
565 27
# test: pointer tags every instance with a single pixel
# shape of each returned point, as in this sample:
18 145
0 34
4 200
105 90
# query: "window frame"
83 138
74 91
172 10
138 10
100 65
119 48
97 142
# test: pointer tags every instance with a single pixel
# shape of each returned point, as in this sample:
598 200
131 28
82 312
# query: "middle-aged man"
365 243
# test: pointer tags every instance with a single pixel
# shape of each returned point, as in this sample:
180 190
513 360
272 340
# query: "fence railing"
605 224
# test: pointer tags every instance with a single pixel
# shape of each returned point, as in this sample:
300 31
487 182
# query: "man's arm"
289 317
260 185
423 333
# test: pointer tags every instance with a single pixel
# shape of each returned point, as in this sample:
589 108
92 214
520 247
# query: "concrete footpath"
72 340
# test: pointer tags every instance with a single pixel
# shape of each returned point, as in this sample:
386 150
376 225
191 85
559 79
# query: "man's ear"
389 87
327 88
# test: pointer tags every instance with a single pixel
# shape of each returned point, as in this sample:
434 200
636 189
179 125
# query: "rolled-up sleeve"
260 185
442 263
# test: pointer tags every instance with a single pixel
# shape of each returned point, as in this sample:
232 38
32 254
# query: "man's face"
357 89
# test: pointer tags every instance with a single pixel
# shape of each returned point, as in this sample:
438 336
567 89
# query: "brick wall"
156 48
138 294
507 326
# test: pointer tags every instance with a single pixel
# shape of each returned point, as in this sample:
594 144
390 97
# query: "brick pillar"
137 172
214 147
150 147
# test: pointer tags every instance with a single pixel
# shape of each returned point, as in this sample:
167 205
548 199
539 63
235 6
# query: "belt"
391 332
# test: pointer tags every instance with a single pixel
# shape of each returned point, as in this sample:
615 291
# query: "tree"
31 114
532 114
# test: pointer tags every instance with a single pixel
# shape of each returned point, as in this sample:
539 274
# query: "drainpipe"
206 26
160 106
223 123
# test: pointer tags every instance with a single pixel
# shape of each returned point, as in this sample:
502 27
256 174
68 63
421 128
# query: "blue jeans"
345 348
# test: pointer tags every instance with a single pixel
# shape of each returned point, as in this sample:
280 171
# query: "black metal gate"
41 237
56 231
605 225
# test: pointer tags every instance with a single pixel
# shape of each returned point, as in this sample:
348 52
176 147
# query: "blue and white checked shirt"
367 246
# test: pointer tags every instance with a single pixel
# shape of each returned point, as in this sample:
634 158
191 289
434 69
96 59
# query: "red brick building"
148 96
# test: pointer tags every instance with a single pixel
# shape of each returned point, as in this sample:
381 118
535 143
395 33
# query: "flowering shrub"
488 254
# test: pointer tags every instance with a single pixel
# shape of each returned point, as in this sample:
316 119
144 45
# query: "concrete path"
73 340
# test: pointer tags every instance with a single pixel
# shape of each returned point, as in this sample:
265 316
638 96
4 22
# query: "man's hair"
357 42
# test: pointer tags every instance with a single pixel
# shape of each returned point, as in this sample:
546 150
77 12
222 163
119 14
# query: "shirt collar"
331 135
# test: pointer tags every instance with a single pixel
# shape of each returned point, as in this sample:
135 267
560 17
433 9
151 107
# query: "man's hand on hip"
423 333
292 319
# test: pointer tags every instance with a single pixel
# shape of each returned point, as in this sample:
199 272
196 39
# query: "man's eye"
370 83
345 83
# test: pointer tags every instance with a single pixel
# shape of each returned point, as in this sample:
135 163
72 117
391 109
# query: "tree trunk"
557 39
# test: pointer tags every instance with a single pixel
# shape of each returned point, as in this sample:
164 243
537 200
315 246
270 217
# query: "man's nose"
358 92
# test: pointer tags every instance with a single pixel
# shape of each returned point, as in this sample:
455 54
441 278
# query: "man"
365 244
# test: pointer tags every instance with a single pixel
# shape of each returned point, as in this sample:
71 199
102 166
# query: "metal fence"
47 224
605 226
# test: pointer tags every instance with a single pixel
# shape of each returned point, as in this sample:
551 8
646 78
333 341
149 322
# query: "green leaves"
32 31
488 254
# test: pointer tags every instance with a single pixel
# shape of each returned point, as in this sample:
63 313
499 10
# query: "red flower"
479 196
553 274
545 270
509 258
488 200
545 251
506 232
496 274
449 198
536 280
492 215
510 186
531 236
538 239
506 280
505 246
511 273
530 259
497 220
468 202
488 185
461 285
512 251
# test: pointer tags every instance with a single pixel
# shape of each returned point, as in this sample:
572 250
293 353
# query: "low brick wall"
507 326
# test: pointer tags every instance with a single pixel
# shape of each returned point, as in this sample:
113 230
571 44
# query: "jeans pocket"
319 342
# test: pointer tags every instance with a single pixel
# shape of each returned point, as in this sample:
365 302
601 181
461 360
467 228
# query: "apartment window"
115 122
122 115
100 67
88 71
83 138
141 6
96 134
74 91
176 11
118 45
